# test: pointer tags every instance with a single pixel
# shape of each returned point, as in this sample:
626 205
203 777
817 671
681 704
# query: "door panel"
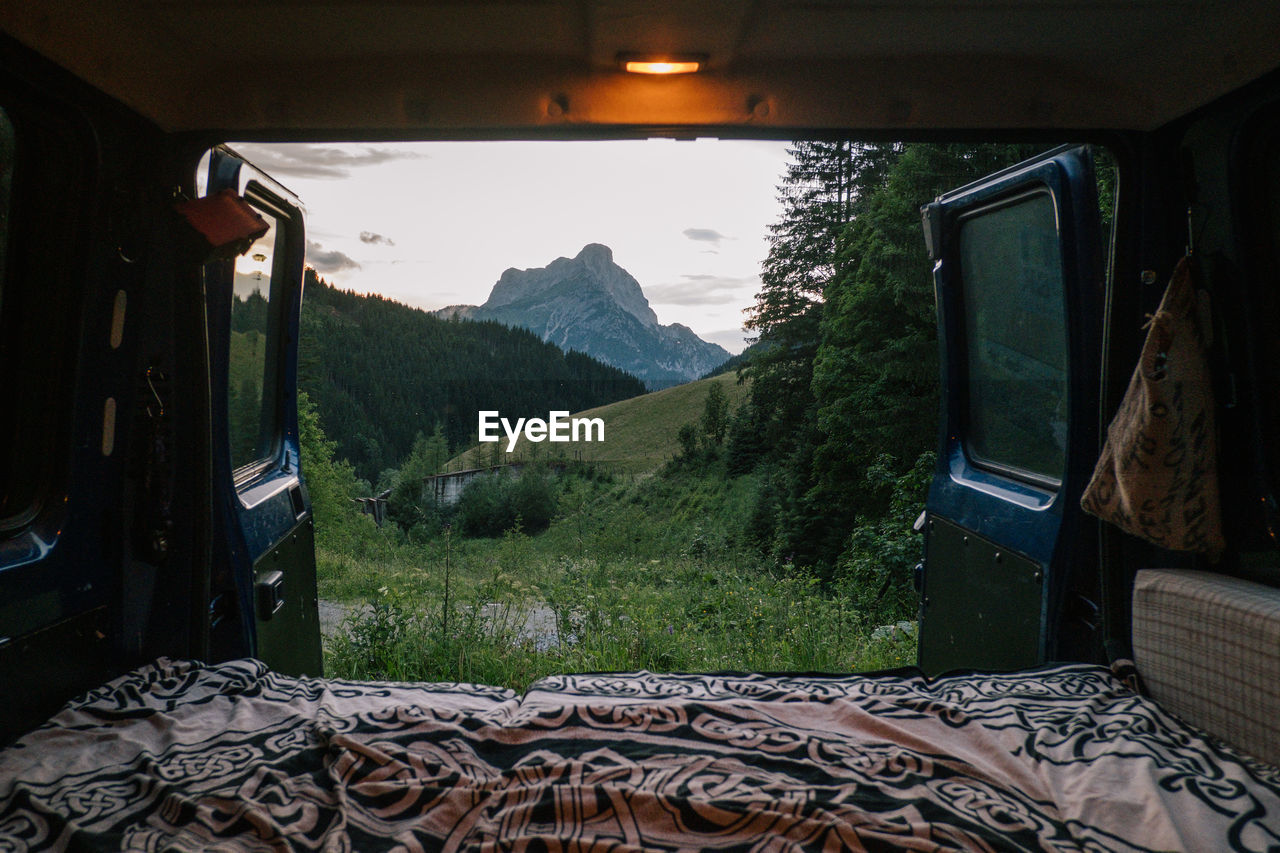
285 602
263 590
999 593
1018 275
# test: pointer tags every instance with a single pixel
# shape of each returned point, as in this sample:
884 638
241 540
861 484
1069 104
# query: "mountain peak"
591 304
591 270
595 253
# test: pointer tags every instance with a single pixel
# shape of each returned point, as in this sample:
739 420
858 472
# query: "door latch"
270 594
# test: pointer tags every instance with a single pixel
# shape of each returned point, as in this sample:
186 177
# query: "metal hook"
155 394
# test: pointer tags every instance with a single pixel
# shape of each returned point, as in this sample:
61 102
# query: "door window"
253 362
1015 333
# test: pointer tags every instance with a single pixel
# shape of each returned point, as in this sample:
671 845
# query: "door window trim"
1046 484
271 204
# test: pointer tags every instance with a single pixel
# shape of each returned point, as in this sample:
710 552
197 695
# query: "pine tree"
715 416
331 484
410 502
847 379
825 185
819 194
875 374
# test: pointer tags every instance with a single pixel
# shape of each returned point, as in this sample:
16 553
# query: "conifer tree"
410 503
715 416
876 374
824 187
820 193
331 483
848 377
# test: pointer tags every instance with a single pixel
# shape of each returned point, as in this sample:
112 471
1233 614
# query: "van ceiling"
363 68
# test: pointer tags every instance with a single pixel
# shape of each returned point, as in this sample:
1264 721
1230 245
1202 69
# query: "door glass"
1015 330
251 408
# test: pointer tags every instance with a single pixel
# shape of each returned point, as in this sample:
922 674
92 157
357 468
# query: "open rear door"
1019 280
263 583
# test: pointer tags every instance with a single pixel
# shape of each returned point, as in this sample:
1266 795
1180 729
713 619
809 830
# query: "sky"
436 224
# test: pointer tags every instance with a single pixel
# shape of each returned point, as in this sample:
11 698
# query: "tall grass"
641 575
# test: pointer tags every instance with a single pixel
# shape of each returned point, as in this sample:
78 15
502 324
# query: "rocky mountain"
590 304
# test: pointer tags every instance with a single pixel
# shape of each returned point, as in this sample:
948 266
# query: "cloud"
324 260
375 239
734 340
704 235
318 161
702 290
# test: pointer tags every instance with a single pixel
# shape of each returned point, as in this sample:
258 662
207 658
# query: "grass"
633 574
640 433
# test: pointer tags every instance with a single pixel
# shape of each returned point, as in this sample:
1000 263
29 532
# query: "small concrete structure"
375 506
447 488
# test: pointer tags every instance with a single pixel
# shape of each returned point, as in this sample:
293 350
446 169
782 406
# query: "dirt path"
333 612
539 621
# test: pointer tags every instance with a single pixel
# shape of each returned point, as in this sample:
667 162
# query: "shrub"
533 500
495 503
688 438
876 568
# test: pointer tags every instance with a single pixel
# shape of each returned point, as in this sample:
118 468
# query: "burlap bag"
1158 474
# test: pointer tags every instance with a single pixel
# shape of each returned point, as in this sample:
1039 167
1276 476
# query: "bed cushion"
1207 647
181 756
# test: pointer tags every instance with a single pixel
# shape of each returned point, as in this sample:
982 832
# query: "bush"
876 568
331 484
688 438
533 500
495 503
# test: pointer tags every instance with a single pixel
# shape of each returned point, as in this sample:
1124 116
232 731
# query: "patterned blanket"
181 756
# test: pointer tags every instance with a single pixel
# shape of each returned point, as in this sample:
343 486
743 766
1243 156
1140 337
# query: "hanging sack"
1158 474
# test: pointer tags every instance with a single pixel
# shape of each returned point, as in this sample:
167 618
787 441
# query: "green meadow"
650 562
640 434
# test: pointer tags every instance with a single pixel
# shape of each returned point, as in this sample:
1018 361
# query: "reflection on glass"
252 361
1015 333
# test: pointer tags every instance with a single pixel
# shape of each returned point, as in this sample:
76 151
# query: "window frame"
273 424
1047 483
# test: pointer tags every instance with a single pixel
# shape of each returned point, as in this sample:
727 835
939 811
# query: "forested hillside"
844 398
380 372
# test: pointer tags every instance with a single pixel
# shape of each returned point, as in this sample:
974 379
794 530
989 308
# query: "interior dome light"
661 64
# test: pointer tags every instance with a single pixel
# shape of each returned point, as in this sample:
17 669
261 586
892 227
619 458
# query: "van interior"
1099 577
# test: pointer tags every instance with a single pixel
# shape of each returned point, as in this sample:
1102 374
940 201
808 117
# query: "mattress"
183 756
1208 648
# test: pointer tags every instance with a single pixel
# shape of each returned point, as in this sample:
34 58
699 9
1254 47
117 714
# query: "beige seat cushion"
1208 649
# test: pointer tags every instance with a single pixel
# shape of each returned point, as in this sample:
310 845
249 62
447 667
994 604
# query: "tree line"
380 373
843 409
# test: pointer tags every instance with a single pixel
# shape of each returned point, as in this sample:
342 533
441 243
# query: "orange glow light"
638 66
